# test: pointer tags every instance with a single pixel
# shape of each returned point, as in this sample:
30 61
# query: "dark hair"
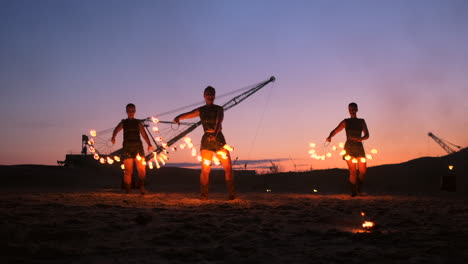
352 105
130 105
209 89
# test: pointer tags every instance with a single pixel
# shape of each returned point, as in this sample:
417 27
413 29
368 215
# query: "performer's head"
353 109
209 94
131 110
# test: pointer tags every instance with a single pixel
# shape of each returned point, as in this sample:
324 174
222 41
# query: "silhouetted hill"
422 175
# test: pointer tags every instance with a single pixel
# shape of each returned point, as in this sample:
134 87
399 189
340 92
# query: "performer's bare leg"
362 175
141 175
227 165
205 173
128 163
352 176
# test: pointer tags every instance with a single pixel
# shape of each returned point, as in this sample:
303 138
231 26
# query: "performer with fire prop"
356 132
133 148
213 142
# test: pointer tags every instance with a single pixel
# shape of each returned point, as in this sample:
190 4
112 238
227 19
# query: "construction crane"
444 144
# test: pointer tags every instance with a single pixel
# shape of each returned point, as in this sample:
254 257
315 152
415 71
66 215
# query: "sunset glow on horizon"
69 67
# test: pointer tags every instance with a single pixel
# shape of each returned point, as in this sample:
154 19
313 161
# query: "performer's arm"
191 114
219 121
145 136
365 130
335 131
116 131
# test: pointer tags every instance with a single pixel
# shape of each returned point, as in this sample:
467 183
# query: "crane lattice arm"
443 144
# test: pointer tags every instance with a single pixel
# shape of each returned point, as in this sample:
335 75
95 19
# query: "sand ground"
105 226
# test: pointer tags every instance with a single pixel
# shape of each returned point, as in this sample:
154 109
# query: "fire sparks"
93 133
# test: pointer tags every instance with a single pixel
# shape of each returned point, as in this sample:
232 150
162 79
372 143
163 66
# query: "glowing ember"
96 156
354 161
368 225
312 145
194 152
341 145
102 160
268 190
227 147
315 190
156 129
122 167
347 157
369 156
117 158
92 132
138 157
109 160
450 167
363 160
373 151
150 165
155 120
363 214
343 152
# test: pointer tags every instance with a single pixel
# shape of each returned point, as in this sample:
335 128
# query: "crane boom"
444 145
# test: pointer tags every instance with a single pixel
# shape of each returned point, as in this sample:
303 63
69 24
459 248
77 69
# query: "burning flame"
174 148
138 157
165 145
312 145
156 129
343 152
216 160
122 166
92 132
369 156
207 162
347 157
92 149
109 160
312 151
222 154
354 160
227 147
334 148
162 161
156 162
199 158
368 225
363 160
450 167
117 158
194 152
96 156
102 160
374 151
190 145
329 154
159 139
363 214
341 145
155 120
164 156
187 140
143 162
150 165
182 146
91 142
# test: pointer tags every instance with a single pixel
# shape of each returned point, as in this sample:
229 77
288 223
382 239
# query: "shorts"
213 145
354 149
131 149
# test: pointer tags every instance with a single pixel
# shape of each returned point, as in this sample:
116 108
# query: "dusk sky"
71 66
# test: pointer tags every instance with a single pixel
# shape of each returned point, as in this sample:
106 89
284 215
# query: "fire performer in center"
356 132
213 142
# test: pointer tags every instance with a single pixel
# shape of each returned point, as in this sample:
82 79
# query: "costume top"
209 115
